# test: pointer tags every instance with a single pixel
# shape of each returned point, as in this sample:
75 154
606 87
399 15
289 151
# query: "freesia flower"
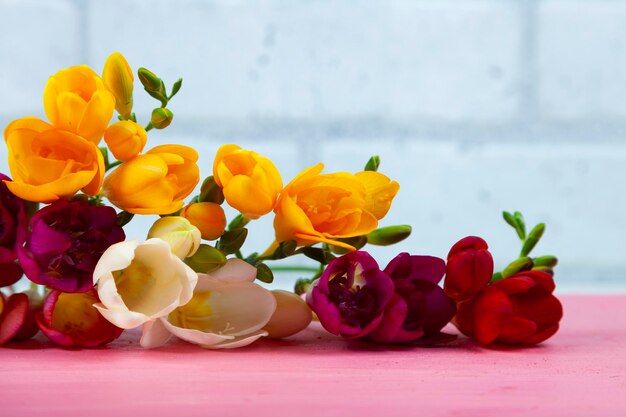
47 163
519 310
139 282
317 207
10 209
351 295
227 310
292 315
125 139
419 307
469 268
250 181
65 241
155 182
179 233
118 79
208 217
72 320
76 101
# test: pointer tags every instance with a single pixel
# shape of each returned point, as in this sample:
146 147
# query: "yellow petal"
380 192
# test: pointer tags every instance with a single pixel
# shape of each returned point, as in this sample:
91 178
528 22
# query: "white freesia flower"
227 310
139 282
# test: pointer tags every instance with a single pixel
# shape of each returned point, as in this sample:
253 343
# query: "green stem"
149 126
294 268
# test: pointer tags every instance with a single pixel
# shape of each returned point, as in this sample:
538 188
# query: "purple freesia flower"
419 307
350 296
64 243
11 210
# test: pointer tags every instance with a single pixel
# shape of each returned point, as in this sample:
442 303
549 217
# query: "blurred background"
474 106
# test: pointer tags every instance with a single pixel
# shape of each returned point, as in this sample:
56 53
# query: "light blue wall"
475 106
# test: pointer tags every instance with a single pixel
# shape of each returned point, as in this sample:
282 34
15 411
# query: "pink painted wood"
580 372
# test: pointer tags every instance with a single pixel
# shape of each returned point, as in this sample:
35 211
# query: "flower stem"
294 268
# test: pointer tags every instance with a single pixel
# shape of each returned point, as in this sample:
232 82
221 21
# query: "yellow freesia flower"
75 100
155 182
125 139
47 163
118 79
317 207
250 182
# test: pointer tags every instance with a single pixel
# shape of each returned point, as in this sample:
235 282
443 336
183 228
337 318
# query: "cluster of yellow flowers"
56 159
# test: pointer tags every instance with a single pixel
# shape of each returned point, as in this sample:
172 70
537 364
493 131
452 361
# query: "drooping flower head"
518 310
72 320
419 306
155 182
48 163
250 182
64 243
227 310
139 282
317 207
351 295
10 208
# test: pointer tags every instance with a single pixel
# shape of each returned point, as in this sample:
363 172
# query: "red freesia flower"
469 268
11 211
520 309
13 315
70 319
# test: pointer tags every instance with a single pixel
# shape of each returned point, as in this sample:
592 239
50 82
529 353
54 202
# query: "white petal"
239 342
239 308
235 270
196 336
123 319
189 280
107 292
154 334
117 257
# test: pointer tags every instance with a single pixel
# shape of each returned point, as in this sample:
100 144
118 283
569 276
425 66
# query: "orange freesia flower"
250 182
209 218
47 163
317 207
155 182
75 100
125 139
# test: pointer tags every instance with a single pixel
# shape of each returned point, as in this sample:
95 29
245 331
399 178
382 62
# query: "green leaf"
232 240
264 273
238 222
206 259
285 249
373 163
210 192
356 242
124 217
317 254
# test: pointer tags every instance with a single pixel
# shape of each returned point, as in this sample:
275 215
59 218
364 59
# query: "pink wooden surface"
579 372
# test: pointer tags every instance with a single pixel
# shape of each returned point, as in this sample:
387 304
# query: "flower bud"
521 264
533 239
210 192
209 218
179 233
390 235
149 80
469 268
161 118
292 315
206 259
125 139
118 79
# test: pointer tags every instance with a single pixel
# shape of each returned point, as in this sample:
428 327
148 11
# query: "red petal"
492 310
516 330
13 316
542 335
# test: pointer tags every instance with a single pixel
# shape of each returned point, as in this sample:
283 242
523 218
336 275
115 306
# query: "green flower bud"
548 260
389 235
532 239
149 80
518 265
264 273
161 118
356 242
206 259
285 249
373 163
179 233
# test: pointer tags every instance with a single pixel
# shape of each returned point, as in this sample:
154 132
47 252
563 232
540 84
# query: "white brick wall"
475 106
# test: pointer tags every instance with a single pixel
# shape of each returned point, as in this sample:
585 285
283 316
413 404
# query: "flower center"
357 304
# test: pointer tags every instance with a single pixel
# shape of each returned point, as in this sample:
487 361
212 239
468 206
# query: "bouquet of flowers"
189 278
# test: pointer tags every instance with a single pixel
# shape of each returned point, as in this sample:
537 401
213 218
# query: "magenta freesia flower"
70 319
351 295
65 242
10 209
419 307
